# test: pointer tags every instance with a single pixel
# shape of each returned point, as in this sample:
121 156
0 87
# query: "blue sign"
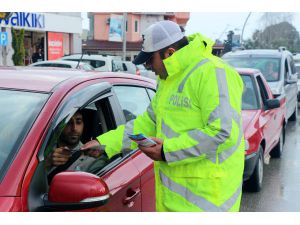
22 19
3 38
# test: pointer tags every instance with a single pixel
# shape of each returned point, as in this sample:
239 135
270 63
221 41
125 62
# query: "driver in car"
270 73
68 146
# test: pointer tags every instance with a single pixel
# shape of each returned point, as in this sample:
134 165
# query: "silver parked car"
63 64
278 68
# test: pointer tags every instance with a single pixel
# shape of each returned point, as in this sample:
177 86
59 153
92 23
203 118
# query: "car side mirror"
272 104
292 79
75 191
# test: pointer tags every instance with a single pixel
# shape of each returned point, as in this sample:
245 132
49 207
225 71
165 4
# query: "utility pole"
124 35
244 28
4 16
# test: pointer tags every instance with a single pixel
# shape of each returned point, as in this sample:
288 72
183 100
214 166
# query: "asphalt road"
281 184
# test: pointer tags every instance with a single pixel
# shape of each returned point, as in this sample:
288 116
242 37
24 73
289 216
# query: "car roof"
257 52
92 57
41 79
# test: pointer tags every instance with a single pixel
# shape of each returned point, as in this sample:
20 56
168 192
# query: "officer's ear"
169 52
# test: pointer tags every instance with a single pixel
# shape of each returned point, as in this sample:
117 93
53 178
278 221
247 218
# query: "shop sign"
3 38
23 19
55 45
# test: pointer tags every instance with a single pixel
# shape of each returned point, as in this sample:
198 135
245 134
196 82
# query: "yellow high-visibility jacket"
197 112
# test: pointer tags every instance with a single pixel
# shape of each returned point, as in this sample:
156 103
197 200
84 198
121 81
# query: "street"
281 184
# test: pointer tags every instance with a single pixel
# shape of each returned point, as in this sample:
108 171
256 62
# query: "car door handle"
133 193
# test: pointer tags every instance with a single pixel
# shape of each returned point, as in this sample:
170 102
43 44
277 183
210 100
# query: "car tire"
278 149
294 115
254 184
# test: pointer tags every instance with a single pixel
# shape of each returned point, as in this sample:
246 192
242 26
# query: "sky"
216 25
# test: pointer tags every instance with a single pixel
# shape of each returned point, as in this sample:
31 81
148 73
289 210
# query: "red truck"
263 126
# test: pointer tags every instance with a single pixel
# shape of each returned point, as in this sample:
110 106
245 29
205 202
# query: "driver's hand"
92 148
60 156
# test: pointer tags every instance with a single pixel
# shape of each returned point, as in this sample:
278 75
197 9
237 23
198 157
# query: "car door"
120 174
133 106
293 82
290 88
268 117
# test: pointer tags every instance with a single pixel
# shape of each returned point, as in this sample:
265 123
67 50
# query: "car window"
96 63
286 69
97 118
250 98
151 93
270 67
18 111
292 64
43 65
134 104
93 63
60 65
263 92
87 67
118 66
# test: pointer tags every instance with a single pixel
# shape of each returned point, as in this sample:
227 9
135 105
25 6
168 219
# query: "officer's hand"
60 156
155 151
92 148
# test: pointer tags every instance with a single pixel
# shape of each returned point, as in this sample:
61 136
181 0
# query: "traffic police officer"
195 119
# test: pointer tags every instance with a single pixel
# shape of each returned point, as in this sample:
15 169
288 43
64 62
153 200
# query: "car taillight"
138 72
246 146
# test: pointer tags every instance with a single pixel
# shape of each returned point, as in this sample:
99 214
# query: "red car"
263 126
35 105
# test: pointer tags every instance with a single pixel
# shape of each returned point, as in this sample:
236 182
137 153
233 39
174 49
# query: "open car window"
98 118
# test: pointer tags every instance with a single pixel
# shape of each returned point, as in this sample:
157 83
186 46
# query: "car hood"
249 120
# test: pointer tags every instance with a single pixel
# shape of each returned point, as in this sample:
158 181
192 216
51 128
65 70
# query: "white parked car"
99 62
63 64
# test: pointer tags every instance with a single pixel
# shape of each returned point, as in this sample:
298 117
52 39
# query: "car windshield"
270 67
18 110
249 100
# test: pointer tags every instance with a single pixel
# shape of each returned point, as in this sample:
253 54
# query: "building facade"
106 31
55 34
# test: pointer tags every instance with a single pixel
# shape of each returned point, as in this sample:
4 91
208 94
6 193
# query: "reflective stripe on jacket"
197 112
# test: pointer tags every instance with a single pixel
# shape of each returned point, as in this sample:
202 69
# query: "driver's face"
72 132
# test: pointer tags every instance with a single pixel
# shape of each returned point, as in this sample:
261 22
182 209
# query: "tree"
228 42
18 46
271 18
274 36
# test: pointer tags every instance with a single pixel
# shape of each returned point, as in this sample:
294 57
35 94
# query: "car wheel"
294 115
254 184
277 150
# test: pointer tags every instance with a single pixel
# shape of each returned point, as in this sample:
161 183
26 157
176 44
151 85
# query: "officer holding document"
194 120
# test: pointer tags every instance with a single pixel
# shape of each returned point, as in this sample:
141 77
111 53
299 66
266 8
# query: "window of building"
136 26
